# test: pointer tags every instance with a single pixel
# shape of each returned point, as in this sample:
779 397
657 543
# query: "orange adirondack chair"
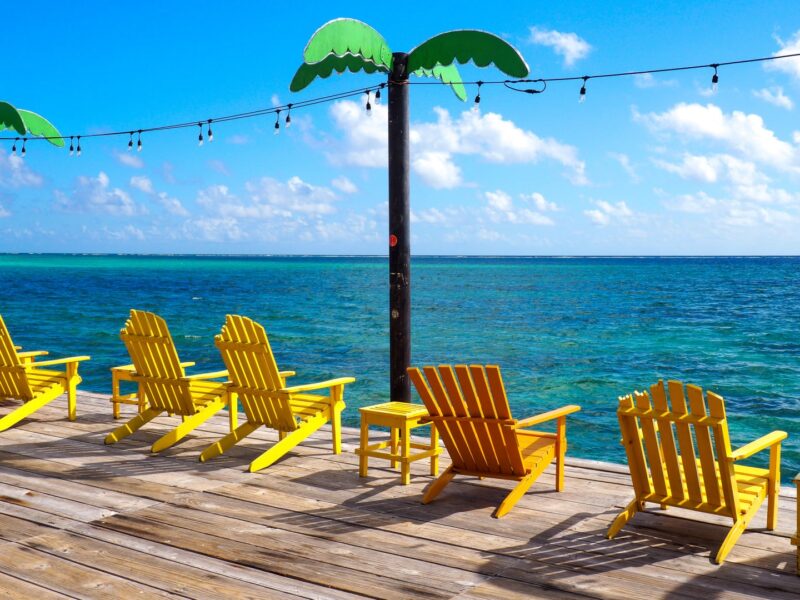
666 470
22 378
469 408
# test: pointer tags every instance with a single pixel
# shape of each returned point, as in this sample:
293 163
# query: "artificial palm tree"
347 44
28 124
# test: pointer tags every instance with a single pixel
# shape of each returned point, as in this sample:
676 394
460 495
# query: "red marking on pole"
393 240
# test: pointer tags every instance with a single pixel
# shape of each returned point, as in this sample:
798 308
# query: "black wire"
508 83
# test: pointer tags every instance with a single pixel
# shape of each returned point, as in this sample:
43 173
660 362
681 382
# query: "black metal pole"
399 242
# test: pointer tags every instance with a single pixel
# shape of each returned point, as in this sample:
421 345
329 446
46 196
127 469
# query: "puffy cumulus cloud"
501 208
293 196
743 133
129 160
14 173
775 96
711 168
214 229
96 194
736 212
353 226
170 204
570 46
344 185
786 65
606 212
435 144
437 169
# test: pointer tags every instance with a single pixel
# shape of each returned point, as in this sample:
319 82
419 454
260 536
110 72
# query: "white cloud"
170 204
606 212
774 96
647 81
743 133
500 208
430 215
487 135
4 212
219 166
709 169
625 162
437 169
570 46
295 195
734 212
129 160
786 65
14 173
95 194
125 233
344 185
540 202
214 229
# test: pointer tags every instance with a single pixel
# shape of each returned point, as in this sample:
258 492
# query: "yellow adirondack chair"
266 400
165 385
22 378
469 408
665 469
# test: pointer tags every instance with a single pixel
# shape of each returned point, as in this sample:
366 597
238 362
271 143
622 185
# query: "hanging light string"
511 84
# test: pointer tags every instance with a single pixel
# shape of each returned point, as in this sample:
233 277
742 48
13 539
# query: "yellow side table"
401 418
124 373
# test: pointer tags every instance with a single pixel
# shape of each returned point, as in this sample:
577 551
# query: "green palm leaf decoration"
308 72
467 45
11 119
446 74
348 36
38 126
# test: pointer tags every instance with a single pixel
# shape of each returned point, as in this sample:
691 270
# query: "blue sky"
645 166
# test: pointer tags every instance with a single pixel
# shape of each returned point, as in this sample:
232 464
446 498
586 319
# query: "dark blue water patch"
564 330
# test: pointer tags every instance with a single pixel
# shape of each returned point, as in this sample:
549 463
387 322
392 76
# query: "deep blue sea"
563 330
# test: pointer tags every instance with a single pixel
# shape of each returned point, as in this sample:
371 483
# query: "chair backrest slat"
667 437
708 464
666 473
252 368
475 424
13 377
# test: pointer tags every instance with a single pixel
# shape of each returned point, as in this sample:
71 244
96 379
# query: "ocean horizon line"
386 256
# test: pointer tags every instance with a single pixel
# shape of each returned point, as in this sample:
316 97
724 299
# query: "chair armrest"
32 353
189 363
547 416
771 439
57 361
211 375
296 389
286 374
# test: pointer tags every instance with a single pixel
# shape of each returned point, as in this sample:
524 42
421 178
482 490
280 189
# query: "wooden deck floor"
84 520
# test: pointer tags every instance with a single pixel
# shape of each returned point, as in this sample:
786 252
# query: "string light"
369 106
377 89
210 133
71 147
478 95
289 116
277 122
14 147
714 80
200 135
23 147
78 149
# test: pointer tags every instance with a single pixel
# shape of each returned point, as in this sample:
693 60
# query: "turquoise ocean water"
564 330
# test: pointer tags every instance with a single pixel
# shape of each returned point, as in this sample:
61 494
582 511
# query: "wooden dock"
80 519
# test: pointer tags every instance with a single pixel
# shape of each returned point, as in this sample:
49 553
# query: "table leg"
393 433
405 465
434 446
115 394
364 442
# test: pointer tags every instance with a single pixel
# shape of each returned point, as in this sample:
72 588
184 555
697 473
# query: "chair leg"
730 539
336 417
27 409
72 388
132 426
363 459
626 515
233 412
287 443
513 497
226 443
561 450
188 424
773 486
435 488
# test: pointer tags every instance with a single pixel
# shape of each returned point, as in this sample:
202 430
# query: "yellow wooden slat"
490 454
716 407
632 442
459 435
651 446
668 451
707 460
503 411
506 456
678 405
431 402
463 408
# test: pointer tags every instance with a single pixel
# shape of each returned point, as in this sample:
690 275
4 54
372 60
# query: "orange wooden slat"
432 404
479 443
